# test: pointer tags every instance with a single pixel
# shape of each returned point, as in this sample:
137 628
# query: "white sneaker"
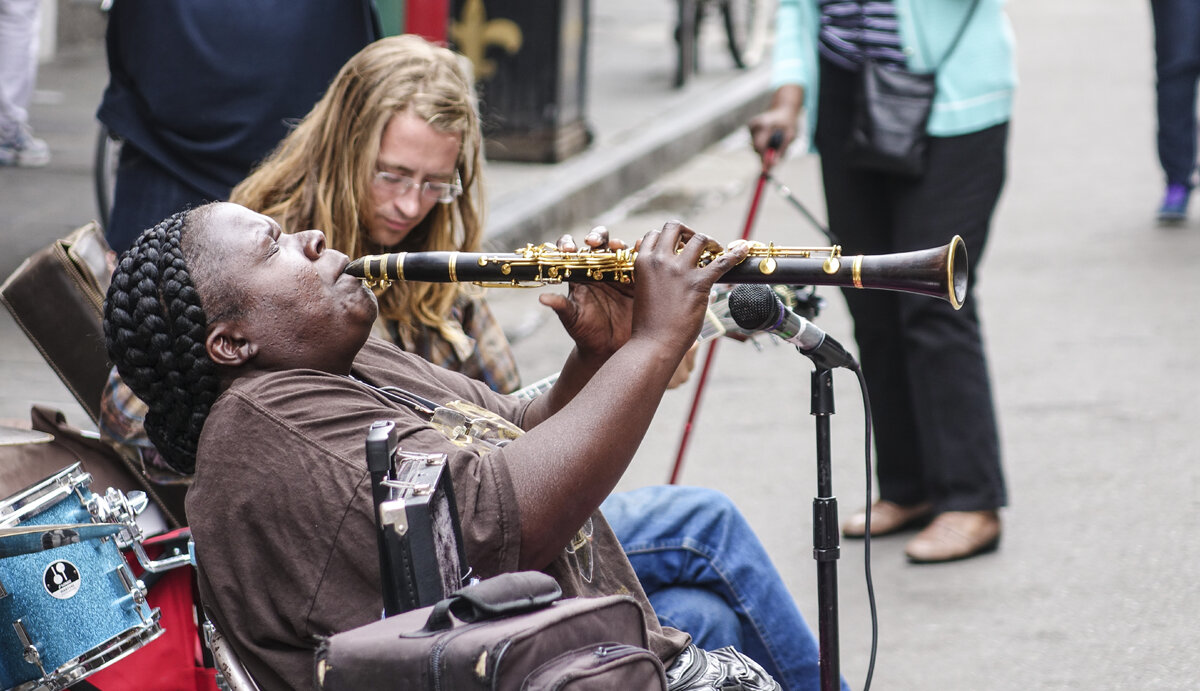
24 150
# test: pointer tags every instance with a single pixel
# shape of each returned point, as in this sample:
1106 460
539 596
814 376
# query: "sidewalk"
1088 315
642 128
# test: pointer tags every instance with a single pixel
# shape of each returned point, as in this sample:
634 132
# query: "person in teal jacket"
936 432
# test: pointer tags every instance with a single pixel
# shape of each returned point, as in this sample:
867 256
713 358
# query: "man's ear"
228 345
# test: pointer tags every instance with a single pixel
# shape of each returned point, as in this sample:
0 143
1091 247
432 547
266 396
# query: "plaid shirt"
122 418
472 343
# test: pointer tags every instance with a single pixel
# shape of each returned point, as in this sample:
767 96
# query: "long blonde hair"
320 174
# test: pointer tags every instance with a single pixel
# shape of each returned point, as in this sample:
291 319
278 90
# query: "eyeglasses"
443 192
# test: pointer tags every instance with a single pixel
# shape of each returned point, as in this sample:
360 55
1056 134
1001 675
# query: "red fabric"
174 661
428 19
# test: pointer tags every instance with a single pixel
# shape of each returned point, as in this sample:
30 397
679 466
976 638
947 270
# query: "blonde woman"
389 160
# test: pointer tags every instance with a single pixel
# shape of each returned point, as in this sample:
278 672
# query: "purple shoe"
1174 204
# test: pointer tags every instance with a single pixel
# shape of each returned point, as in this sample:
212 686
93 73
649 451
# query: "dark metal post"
825 533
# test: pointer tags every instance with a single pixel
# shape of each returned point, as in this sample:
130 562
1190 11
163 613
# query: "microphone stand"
761 309
825 533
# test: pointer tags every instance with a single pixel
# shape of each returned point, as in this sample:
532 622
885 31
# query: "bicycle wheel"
747 28
104 172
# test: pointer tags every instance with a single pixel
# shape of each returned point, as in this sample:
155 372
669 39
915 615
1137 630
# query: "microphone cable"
862 385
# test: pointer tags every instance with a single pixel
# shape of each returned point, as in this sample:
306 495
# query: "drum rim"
97 658
34 499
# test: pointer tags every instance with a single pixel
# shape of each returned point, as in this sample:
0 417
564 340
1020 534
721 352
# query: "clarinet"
939 272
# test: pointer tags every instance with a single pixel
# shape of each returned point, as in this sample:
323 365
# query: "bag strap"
962 29
500 596
418 404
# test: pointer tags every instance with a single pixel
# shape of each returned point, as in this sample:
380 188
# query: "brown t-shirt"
283 520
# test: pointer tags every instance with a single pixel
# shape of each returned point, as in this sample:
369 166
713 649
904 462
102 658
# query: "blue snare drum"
72 609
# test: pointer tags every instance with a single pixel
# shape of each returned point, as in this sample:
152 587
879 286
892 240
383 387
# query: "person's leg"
701 612
145 194
18 61
944 351
951 392
690 538
19 20
1177 68
859 216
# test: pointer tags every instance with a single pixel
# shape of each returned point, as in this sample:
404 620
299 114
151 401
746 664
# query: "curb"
597 180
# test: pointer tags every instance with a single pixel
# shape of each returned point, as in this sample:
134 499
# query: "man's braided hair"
154 328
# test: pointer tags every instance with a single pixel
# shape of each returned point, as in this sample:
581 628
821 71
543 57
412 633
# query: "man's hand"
597 316
582 434
600 317
671 288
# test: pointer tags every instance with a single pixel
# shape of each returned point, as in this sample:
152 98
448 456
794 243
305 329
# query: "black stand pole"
825 533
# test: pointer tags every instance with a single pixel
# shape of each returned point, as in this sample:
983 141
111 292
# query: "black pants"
145 194
924 362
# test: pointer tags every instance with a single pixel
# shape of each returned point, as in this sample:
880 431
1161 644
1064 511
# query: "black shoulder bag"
891 112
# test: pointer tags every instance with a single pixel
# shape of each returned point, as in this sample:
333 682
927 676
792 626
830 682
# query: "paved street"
1094 363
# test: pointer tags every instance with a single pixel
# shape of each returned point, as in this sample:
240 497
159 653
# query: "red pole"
768 162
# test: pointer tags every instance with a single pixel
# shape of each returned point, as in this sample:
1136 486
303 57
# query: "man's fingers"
558 302
566 243
673 235
693 244
597 238
731 257
649 241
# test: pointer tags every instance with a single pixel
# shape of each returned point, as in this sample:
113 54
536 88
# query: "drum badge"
61 579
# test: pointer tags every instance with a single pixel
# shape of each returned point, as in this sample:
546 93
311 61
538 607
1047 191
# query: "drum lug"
31 654
133 586
3 591
97 508
138 501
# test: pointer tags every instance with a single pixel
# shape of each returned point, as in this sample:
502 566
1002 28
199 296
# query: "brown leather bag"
56 296
507 633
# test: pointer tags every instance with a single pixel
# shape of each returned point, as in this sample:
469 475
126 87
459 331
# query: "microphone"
755 307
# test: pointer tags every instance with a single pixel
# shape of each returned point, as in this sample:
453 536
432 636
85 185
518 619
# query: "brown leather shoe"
955 535
886 518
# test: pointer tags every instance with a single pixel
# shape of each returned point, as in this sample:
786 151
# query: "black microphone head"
754 307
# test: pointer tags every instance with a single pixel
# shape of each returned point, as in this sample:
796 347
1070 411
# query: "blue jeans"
1177 67
706 573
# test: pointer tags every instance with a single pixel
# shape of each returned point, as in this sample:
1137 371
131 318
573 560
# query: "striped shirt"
854 30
